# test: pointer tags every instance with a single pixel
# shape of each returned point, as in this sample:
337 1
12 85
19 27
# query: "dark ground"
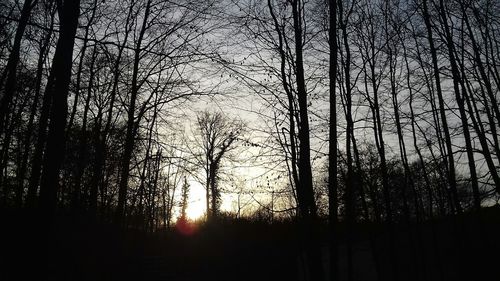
463 248
88 251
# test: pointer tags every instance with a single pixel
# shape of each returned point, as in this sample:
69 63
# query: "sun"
195 210
197 205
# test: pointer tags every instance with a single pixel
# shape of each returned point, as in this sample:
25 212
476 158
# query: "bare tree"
60 77
8 76
333 143
216 135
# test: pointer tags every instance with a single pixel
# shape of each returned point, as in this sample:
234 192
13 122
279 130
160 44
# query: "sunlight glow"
197 205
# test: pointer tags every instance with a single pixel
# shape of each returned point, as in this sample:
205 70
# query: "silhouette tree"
216 135
185 199
43 49
8 76
57 87
332 140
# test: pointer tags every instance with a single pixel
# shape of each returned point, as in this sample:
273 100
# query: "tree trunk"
461 107
332 143
449 161
80 67
44 47
100 162
9 75
305 192
349 186
131 123
82 159
61 71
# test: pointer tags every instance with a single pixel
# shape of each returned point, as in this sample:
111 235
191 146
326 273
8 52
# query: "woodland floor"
462 248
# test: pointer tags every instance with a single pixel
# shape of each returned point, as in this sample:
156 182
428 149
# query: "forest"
249 139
